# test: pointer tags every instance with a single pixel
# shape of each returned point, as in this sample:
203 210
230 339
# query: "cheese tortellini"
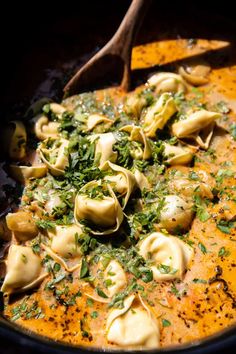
196 122
104 144
167 82
64 240
121 180
177 155
196 75
158 114
114 275
23 173
23 270
176 214
140 148
168 255
22 224
97 119
134 104
188 188
45 129
53 153
55 201
97 204
141 180
133 326
110 278
57 109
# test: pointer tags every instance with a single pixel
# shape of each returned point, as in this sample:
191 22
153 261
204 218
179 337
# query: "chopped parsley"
36 248
101 293
51 284
226 226
193 176
202 248
222 174
24 258
118 299
165 269
94 314
84 270
200 208
90 302
45 224
57 267
222 107
223 252
199 281
233 130
174 290
165 322
26 311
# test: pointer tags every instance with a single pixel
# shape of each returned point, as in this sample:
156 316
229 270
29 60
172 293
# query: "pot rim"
23 336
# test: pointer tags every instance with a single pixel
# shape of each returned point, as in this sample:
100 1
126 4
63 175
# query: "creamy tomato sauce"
73 308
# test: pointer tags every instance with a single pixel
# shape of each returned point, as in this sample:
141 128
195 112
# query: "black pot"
42 44
15 338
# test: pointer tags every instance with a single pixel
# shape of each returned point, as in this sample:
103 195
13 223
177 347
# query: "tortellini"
176 214
133 326
45 129
158 114
97 204
140 149
115 276
167 82
23 270
121 180
64 240
134 104
23 173
168 255
195 75
189 188
110 277
17 146
104 144
57 109
196 122
177 155
96 119
53 153
141 180
54 201
22 224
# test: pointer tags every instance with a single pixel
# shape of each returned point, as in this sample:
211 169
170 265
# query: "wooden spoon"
116 53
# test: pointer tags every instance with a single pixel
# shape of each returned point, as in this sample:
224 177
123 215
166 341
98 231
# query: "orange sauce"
203 309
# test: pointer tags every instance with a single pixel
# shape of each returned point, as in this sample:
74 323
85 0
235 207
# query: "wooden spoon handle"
122 42
126 33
